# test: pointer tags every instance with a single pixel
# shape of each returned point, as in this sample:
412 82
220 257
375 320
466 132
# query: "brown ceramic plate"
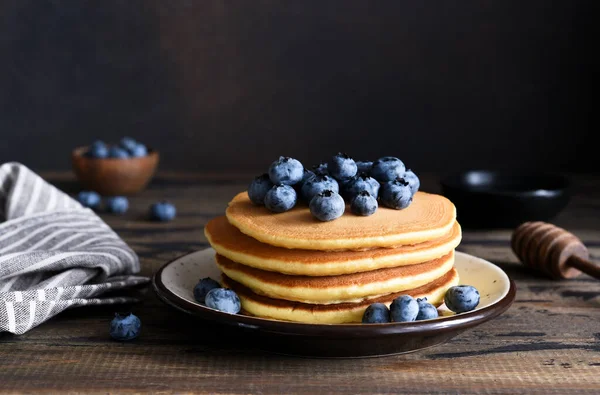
175 281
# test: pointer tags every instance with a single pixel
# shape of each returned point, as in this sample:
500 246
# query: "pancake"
428 217
262 306
336 289
228 241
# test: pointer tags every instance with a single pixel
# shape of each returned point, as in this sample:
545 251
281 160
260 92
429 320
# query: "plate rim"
444 324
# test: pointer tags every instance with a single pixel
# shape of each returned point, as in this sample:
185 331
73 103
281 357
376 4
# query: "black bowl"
493 199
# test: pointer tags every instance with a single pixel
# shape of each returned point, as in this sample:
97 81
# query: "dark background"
230 85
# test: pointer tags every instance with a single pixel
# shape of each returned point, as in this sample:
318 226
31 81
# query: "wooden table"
548 342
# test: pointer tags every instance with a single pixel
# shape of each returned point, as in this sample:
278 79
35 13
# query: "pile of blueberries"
161 211
328 186
126 148
405 308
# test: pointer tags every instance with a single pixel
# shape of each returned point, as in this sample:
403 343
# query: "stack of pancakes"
290 266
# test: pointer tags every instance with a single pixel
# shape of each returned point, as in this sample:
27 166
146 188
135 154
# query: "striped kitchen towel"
54 253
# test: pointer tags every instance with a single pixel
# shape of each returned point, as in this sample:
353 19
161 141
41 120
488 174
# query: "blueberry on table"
128 143
204 286
139 151
280 198
404 308
363 166
427 311
118 152
117 204
327 206
89 199
413 181
286 171
387 168
125 327
396 194
317 184
461 298
258 188
361 182
341 166
162 211
223 299
363 204
97 150
377 313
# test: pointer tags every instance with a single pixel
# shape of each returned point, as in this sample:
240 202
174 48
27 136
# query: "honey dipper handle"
584 265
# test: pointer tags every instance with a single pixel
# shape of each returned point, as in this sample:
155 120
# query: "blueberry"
117 152
358 183
286 171
280 198
404 308
427 311
125 327
363 204
396 194
139 150
342 166
327 206
317 184
117 204
258 189
128 143
223 299
97 150
387 168
203 287
377 313
363 166
306 175
461 298
413 181
321 169
162 211
89 199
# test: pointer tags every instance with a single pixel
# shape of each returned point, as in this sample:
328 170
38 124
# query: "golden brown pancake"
336 289
228 241
262 306
428 217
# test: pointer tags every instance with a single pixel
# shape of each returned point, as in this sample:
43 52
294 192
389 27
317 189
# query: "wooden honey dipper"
552 250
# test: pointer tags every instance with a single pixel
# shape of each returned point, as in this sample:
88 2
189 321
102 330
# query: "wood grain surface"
548 342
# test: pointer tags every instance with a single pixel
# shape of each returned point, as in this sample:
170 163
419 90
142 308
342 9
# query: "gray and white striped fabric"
54 253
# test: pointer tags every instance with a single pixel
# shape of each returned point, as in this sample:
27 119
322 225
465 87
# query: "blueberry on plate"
205 285
258 188
317 184
404 308
377 313
306 175
341 166
286 171
117 204
223 299
118 152
125 327
89 199
427 311
387 168
363 204
358 183
461 298
363 166
97 150
413 181
128 143
327 206
280 198
139 150
396 194
162 211
321 169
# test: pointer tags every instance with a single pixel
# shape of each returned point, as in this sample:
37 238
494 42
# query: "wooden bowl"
113 176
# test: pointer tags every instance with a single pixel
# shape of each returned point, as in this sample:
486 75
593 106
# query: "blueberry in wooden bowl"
501 199
114 175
